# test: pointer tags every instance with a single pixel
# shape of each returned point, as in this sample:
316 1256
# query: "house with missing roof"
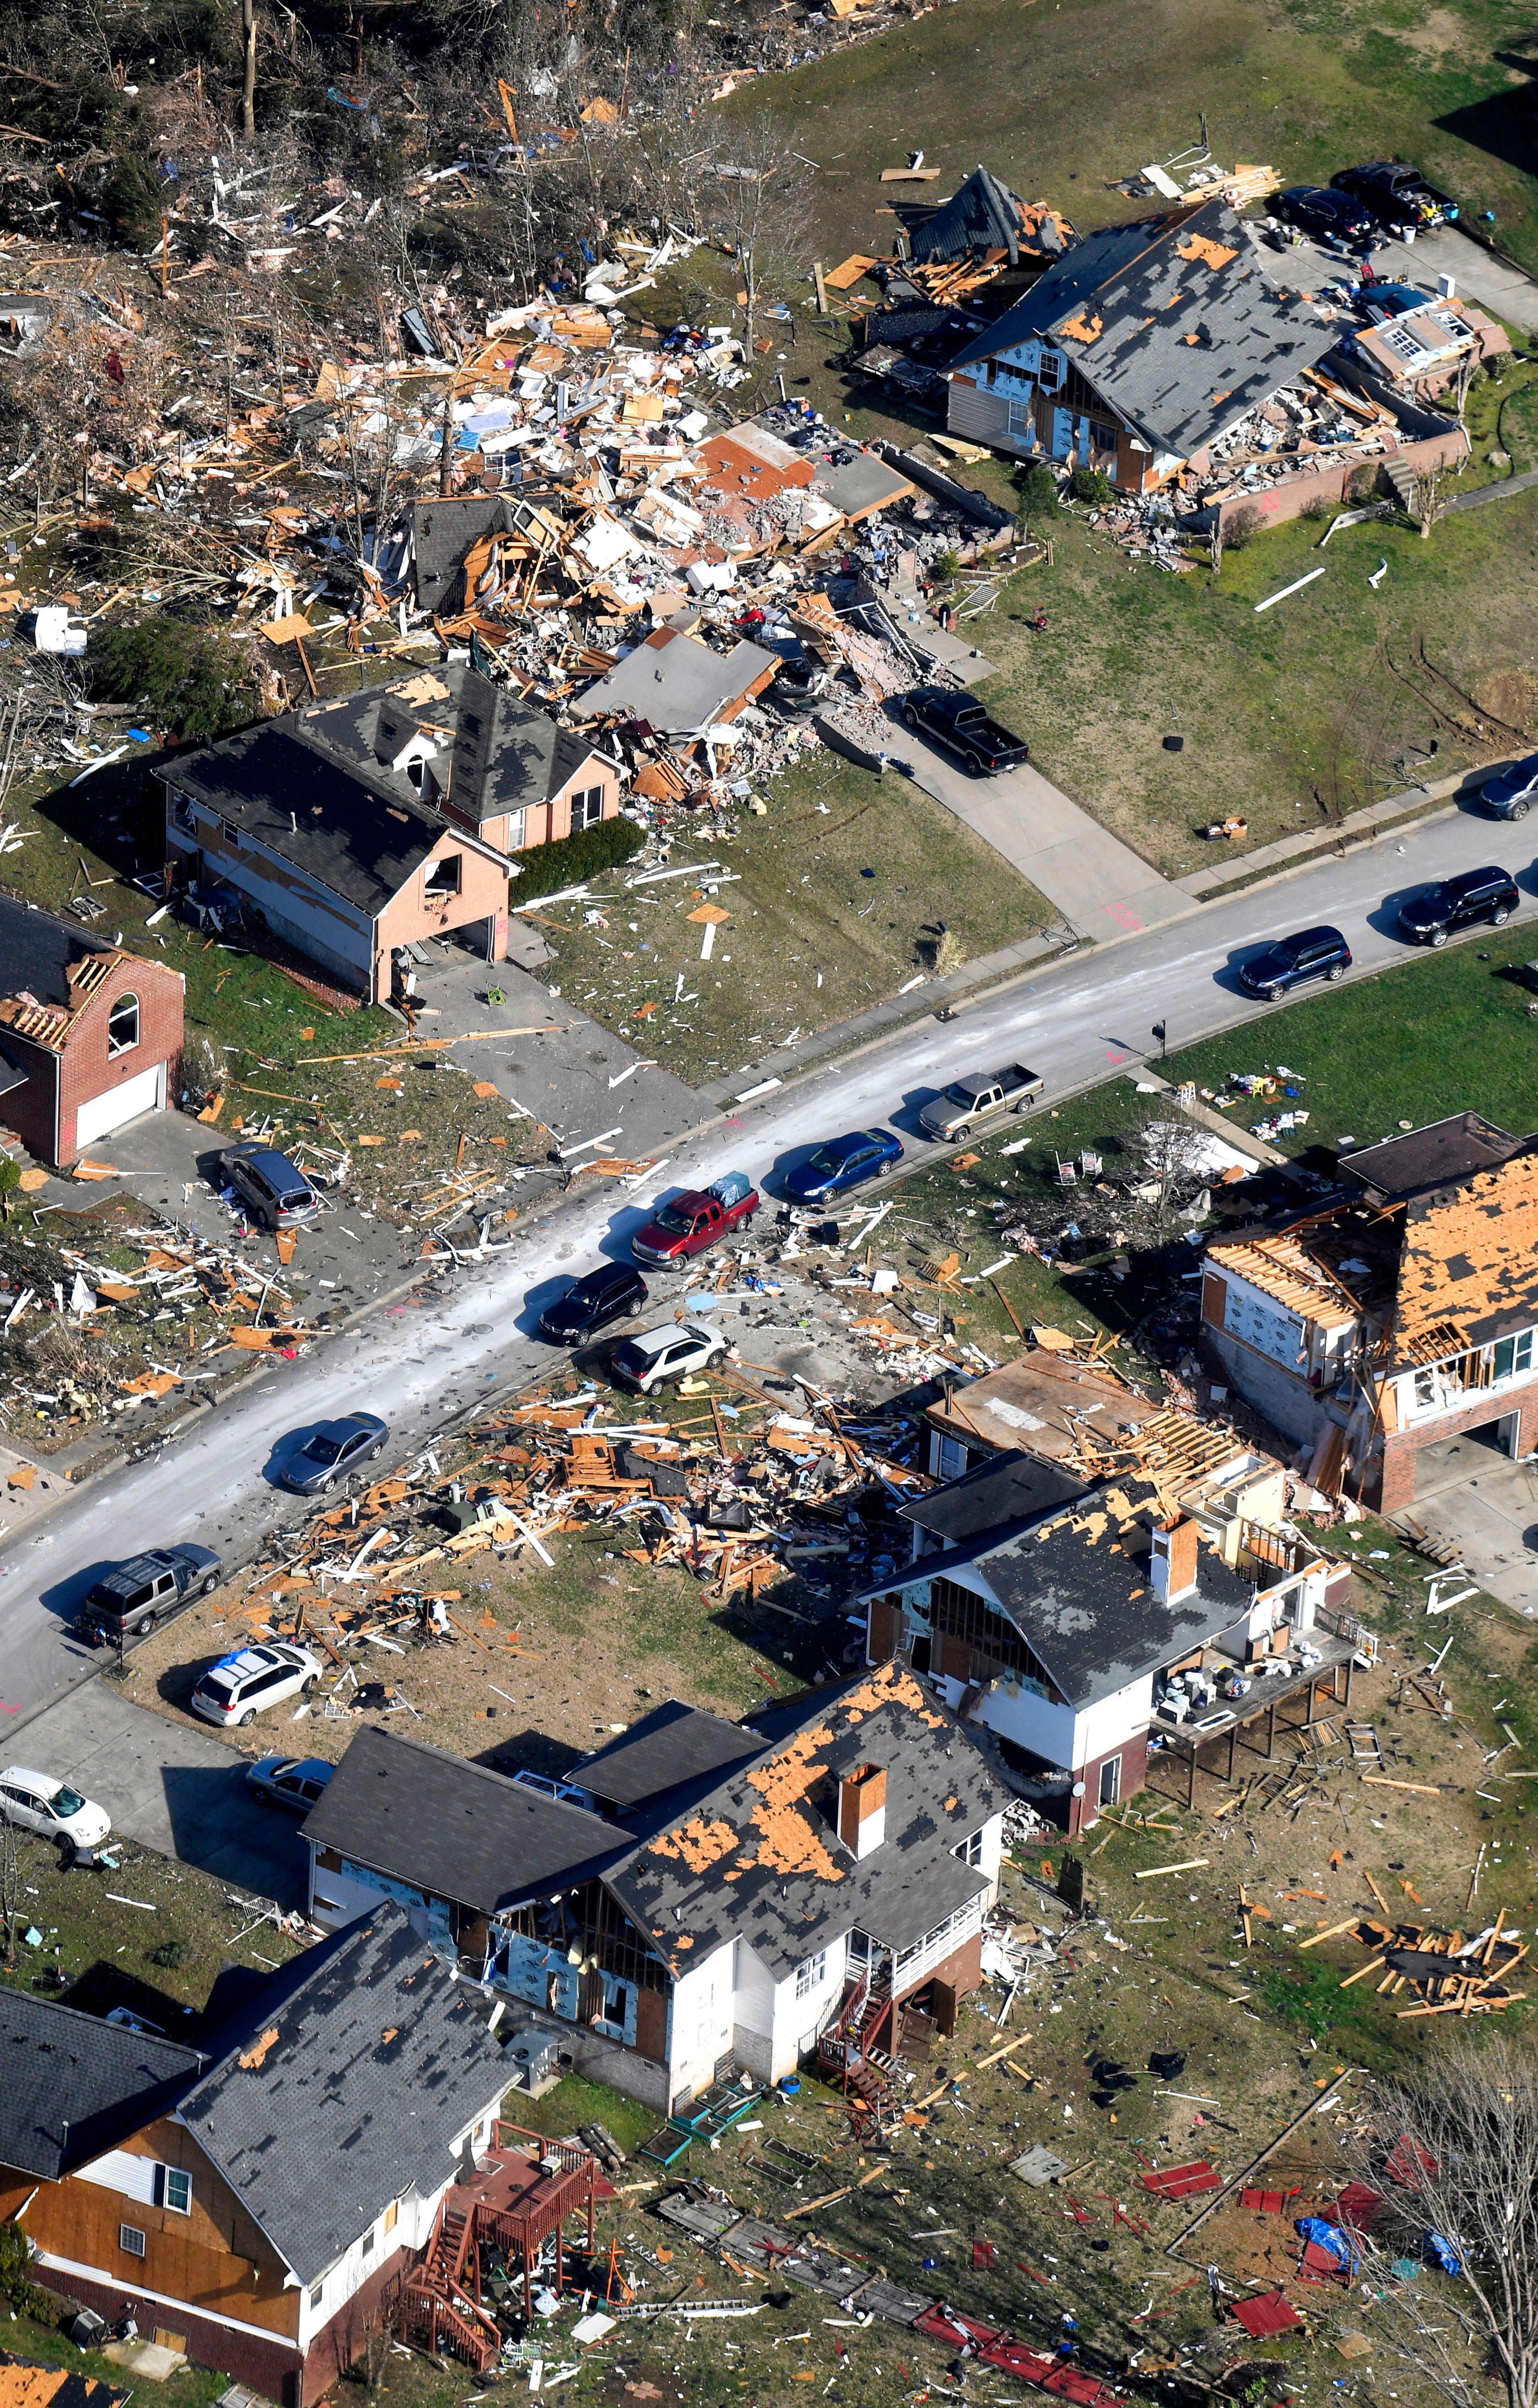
678 686
363 826
1397 1314
1138 346
90 1035
700 1893
255 2201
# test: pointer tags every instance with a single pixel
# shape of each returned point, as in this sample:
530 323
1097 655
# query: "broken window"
181 814
970 1851
586 809
1110 1788
123 1025
443 877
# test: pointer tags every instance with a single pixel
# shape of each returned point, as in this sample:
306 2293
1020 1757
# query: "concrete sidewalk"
1100 885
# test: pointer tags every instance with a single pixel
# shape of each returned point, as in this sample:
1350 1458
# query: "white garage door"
105 1113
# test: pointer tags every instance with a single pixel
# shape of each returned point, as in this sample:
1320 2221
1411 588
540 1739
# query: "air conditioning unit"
536 2054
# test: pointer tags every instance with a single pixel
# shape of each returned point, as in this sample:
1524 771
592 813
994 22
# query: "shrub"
943 568
1037 490
170 1955
1321 507
1242 527
187 678
571 859
1092 485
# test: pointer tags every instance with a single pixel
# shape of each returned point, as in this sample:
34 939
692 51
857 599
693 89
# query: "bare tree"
10 1888
248 66
759 201
1452 2150
1429 498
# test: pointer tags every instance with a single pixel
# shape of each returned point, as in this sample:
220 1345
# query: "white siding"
120 2170
703 2016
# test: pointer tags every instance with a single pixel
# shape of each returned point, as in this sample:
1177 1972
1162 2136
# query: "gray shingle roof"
1173 320
983 215
72 2086
673 1745
677 685
1005 1489
36 949
454 1829
349 2085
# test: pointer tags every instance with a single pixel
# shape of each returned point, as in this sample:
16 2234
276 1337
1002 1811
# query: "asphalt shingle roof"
72 2086
36 951
349 2083
678 685
673 1745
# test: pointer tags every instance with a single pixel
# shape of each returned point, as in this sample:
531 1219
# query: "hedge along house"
716 1894
89 1035
1139 346
255 2202
1396 1315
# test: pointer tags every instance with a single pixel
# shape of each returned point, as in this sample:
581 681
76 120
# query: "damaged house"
1137 347
89 1035
697 1890
1400 1313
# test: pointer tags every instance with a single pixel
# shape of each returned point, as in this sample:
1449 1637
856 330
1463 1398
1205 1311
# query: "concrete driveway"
1507 291
170 1788
1489 1511
1101 887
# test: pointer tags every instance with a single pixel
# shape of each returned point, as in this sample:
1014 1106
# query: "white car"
39 1801
671 1352
238 1687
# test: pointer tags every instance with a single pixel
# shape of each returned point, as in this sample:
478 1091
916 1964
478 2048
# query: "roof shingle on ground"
350 2081
72 2086
760 1856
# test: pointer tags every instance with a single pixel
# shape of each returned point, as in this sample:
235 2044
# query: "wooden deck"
1221 1725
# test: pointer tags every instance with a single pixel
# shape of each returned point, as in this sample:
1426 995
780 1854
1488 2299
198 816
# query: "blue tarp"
1441 2252
1326 2236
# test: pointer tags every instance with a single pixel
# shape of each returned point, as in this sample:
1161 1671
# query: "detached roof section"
454 1829
348 2083
984 215
673 1745
678 685
1283 1268
72 2086
760 1856
1173 320
997 1495
1443 1151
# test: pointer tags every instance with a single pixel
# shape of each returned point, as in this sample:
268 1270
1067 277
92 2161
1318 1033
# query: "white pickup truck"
978 1097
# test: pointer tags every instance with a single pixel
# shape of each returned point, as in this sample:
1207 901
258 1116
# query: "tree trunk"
445 456
248 68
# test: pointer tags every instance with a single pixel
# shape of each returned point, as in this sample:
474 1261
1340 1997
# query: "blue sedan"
842 1163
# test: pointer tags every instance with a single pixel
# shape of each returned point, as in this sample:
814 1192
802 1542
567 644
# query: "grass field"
1450 1035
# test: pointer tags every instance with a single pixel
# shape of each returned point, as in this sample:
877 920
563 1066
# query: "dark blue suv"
1318 952
843 1162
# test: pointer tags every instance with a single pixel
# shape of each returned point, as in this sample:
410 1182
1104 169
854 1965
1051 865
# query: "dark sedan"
1437 912
612 1293
1318 953
337 1447
1326 216
1380 301
842 1163
1512 794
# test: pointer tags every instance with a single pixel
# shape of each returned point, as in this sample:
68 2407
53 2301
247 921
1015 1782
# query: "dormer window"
415 771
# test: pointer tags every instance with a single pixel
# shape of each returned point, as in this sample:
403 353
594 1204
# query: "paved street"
420 1366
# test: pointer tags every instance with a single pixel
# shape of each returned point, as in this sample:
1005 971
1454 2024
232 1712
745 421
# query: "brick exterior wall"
1133 1753
1391 1483
43 1112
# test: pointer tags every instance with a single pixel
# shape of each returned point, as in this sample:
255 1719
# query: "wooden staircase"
846 2049
436 2313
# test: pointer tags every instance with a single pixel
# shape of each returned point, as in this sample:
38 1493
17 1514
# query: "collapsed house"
1395 1315
89 1034
1137 349
697 1890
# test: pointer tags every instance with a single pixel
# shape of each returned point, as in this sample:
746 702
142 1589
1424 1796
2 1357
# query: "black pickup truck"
1397 196
955 720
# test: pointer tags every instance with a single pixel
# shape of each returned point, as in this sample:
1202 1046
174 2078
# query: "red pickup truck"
696 1219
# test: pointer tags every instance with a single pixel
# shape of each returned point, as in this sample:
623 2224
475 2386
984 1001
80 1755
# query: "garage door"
105 1113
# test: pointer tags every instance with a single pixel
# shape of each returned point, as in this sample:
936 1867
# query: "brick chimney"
862 1809
1172 1569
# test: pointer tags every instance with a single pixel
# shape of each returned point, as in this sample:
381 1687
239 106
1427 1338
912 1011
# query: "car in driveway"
41 1802
1434 913
842 1163
1513 791
673 1352
274 1190
1327 216
1316 953
294 1780
335 1449
129 1600
612 1293
233 1692
1380 302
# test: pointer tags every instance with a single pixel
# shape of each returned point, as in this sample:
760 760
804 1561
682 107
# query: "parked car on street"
1318 953
1437 912
275 1190
964 727
842 1163
612 1293
695 1220
295 1781
673 1352
139 1594
337 1447
1396 194
1327 216
243 1685
41 1802
1513 791
970 1101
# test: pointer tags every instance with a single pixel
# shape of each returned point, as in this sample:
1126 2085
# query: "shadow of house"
1503 125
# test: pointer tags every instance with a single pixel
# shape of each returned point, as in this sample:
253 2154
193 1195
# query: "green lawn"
1447 1035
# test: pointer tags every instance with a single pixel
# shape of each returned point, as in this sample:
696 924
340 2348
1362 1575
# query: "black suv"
143 1591
605 1295
1430 917
1326 216
1318 952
